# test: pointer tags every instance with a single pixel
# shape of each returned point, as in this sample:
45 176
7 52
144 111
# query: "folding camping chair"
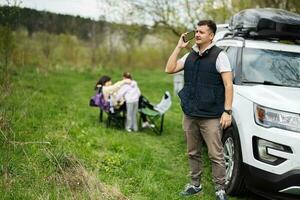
155 113
115 117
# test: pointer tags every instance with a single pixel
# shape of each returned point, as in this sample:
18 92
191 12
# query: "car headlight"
268 117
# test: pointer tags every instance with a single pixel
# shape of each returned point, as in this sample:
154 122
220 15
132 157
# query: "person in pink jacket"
131 93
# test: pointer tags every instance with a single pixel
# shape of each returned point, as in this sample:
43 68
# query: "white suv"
262 148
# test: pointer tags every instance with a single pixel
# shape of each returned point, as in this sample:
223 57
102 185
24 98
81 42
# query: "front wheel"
235 176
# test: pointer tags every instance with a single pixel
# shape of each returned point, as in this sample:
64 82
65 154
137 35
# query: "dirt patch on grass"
82 183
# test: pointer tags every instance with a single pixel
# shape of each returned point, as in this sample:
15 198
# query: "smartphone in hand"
189 36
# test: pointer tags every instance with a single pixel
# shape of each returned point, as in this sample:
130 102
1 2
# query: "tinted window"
232 55
278 67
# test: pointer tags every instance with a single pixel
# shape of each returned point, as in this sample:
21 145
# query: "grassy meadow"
53 147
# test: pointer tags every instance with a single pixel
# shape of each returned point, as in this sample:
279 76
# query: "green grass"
53 147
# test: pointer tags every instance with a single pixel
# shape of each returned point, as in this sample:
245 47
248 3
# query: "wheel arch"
235 131
236 185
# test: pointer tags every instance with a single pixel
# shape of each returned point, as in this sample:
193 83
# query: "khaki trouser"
208 130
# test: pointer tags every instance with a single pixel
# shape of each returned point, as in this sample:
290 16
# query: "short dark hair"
127 75
211 25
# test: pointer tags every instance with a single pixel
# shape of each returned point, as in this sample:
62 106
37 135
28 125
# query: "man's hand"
181 43
174 65
225 120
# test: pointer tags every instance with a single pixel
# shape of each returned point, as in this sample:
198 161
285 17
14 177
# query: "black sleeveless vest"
203 94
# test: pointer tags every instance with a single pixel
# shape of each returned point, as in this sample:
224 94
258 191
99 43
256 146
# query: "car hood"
281 98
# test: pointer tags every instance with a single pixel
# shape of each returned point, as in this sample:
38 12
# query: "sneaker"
191 190
151 125
145 124
221 195
128 130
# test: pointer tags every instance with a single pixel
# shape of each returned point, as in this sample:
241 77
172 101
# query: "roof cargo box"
266 23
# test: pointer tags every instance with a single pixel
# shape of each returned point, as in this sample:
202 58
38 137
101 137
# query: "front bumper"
272 186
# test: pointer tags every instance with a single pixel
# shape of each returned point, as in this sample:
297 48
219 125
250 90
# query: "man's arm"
227 81
173 65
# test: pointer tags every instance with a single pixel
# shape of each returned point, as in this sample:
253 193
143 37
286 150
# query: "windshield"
277 67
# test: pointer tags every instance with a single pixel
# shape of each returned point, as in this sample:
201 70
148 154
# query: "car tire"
235 176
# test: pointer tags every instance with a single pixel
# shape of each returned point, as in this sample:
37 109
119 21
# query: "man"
206 100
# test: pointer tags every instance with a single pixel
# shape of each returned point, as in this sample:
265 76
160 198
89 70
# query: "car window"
279 67
232 56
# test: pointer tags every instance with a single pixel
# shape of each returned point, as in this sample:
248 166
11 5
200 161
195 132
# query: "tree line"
43 39
36 21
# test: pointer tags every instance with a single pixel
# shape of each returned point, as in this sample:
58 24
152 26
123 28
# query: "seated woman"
109 90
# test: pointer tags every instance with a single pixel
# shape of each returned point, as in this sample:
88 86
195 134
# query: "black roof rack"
266 23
